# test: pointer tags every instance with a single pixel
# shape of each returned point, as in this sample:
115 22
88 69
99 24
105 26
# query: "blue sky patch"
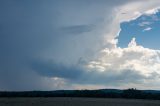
145 29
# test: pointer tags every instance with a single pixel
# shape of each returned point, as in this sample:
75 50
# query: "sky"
145 29
79 44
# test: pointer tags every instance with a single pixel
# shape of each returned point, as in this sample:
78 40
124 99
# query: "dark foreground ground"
75 102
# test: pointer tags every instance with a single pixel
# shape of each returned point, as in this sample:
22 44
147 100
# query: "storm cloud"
49 44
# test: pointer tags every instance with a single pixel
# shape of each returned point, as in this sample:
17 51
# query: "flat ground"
75 102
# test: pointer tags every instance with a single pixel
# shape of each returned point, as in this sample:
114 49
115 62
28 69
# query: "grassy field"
75 102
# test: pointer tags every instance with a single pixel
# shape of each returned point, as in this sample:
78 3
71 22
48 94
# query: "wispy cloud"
147 29
76 29
144 23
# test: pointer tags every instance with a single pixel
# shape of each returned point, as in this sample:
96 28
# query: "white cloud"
147 29
144 62
144 23
152 11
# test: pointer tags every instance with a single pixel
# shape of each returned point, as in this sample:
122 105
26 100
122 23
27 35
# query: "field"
75 102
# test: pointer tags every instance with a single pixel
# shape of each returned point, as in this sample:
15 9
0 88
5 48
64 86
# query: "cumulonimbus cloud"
114 66
77 43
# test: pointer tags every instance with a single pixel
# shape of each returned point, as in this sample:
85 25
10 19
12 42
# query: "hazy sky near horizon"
79 44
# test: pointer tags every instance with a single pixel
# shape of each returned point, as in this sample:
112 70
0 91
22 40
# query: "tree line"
128 94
